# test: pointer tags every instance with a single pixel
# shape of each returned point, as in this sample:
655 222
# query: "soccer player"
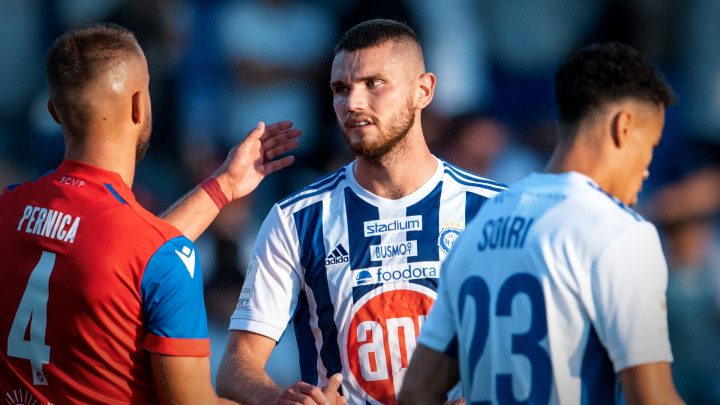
555 294
102 301
352 261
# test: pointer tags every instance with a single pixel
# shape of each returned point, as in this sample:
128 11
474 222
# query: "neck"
104 154
400 172
583 155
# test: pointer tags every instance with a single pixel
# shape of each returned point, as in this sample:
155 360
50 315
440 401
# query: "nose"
356 100
646 174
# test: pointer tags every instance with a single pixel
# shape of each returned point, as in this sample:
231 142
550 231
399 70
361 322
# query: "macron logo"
337 256
188 258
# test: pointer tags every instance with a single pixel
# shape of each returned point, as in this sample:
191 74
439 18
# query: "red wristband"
212 188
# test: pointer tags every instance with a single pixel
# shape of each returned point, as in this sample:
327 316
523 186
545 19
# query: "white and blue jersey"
356 274
553 289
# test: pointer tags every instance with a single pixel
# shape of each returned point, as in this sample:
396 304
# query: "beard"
143 142
389 137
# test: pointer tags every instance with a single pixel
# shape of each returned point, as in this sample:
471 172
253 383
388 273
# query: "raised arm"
649 384
430 375
242 376
246 166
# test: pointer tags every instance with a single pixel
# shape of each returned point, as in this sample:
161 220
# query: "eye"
373 83
338 89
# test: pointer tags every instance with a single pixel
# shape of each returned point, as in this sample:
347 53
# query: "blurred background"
219 66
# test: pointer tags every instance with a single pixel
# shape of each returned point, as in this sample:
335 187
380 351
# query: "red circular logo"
382 337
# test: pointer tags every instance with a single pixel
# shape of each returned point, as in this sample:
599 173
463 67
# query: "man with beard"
103 301
352 261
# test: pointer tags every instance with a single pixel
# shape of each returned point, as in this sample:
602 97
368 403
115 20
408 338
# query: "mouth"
358 123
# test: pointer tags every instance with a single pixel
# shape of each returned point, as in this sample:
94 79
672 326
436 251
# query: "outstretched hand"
249 162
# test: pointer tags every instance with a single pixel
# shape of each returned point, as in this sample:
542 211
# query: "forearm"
192 214
242 378
430 375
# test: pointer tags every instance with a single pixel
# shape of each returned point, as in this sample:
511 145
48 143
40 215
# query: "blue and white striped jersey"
356 274
554 288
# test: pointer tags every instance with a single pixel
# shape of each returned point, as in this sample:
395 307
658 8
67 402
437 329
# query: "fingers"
276 165
303 393
331 389
334 383
276 127
281 149
271 141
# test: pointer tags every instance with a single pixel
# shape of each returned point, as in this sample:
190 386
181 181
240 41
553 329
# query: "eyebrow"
359 79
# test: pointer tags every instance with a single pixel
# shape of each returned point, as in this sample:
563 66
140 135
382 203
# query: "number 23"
526 344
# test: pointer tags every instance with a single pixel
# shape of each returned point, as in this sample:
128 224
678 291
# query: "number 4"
33 311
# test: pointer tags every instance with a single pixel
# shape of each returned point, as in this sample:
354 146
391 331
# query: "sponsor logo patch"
392 250
337 256
382 337
392 225
396 273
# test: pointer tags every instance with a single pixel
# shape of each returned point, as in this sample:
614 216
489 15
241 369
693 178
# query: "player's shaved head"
84 59
374 33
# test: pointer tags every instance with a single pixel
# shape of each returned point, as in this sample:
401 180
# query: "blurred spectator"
484 145
685 212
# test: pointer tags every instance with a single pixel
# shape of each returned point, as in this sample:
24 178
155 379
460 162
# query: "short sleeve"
629 284
172 300
438 332
270 292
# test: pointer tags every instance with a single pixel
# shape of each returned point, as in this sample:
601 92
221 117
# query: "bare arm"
430 375
649 384
246 166
173 374
242 376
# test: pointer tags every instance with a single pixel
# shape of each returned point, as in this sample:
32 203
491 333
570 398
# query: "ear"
138 108
621 124
425 90
54 113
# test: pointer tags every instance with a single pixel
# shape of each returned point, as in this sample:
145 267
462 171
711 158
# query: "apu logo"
381 338
447 238
393 225
338 255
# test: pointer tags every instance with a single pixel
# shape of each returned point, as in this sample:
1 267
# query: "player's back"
539 309
74 245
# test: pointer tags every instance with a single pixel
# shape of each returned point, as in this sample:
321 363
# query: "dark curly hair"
603 73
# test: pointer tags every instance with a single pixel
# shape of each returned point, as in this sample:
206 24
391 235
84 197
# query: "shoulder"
470 181
316 191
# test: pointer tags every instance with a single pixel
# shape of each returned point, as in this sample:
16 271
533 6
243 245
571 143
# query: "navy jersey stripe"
427 238
473 202
289 201
305 341
597 378
312 259
114 192
314 186
472 183
358 211
470 176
